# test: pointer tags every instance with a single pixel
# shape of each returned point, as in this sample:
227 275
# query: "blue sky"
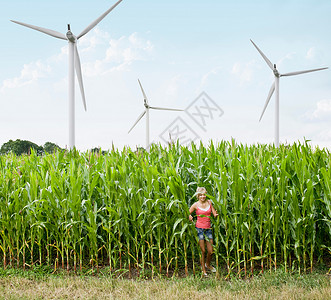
178 49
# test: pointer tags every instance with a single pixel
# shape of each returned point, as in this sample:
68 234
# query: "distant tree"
140 151
20 147
97 150
51 147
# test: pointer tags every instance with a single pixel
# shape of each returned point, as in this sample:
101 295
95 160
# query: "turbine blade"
264 57
43 30
162 108
98 20
79 75
142 90
272 89
137 120
302 72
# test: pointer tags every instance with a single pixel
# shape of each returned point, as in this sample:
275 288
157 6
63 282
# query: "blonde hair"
200 190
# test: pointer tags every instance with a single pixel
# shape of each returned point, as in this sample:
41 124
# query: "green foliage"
20 147
129 209
51 147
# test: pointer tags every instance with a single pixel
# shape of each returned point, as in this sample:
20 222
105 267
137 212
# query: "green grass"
41 284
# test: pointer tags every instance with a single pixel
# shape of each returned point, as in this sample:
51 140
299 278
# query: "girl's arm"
192 209
213 210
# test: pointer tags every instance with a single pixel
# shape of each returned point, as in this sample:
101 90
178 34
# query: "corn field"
128 210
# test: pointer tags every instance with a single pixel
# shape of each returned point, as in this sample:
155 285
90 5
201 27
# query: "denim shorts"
202 232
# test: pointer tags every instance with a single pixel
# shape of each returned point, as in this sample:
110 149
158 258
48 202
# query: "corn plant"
128 210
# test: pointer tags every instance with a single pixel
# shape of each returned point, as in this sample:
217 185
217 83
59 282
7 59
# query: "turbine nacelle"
70 36
276 73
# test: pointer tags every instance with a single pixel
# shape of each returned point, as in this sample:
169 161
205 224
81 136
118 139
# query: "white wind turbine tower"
74 63
146 111
275 88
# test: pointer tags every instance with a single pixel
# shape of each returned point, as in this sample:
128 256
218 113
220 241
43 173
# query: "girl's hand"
190 218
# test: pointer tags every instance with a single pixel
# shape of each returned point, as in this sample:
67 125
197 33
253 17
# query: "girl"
203 226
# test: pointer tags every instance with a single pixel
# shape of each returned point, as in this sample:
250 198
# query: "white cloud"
322 111
29 74
116 54
126 50
205 78
294 60
311 53
322 137
63 55
120 54
175 85
89 42
243 71
315 54
290 62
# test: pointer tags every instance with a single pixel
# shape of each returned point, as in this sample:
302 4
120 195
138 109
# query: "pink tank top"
203 222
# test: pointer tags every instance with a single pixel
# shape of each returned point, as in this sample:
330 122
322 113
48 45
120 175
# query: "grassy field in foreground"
15 284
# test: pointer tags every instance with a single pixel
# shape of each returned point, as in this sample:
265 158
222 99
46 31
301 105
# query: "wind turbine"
275 88
74 63
146 111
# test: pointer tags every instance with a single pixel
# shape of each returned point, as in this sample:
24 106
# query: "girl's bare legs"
210 252
202 247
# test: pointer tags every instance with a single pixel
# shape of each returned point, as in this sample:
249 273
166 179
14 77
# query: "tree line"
20 147
24 147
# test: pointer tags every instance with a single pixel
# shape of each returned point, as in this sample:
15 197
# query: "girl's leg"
202 247
210 252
